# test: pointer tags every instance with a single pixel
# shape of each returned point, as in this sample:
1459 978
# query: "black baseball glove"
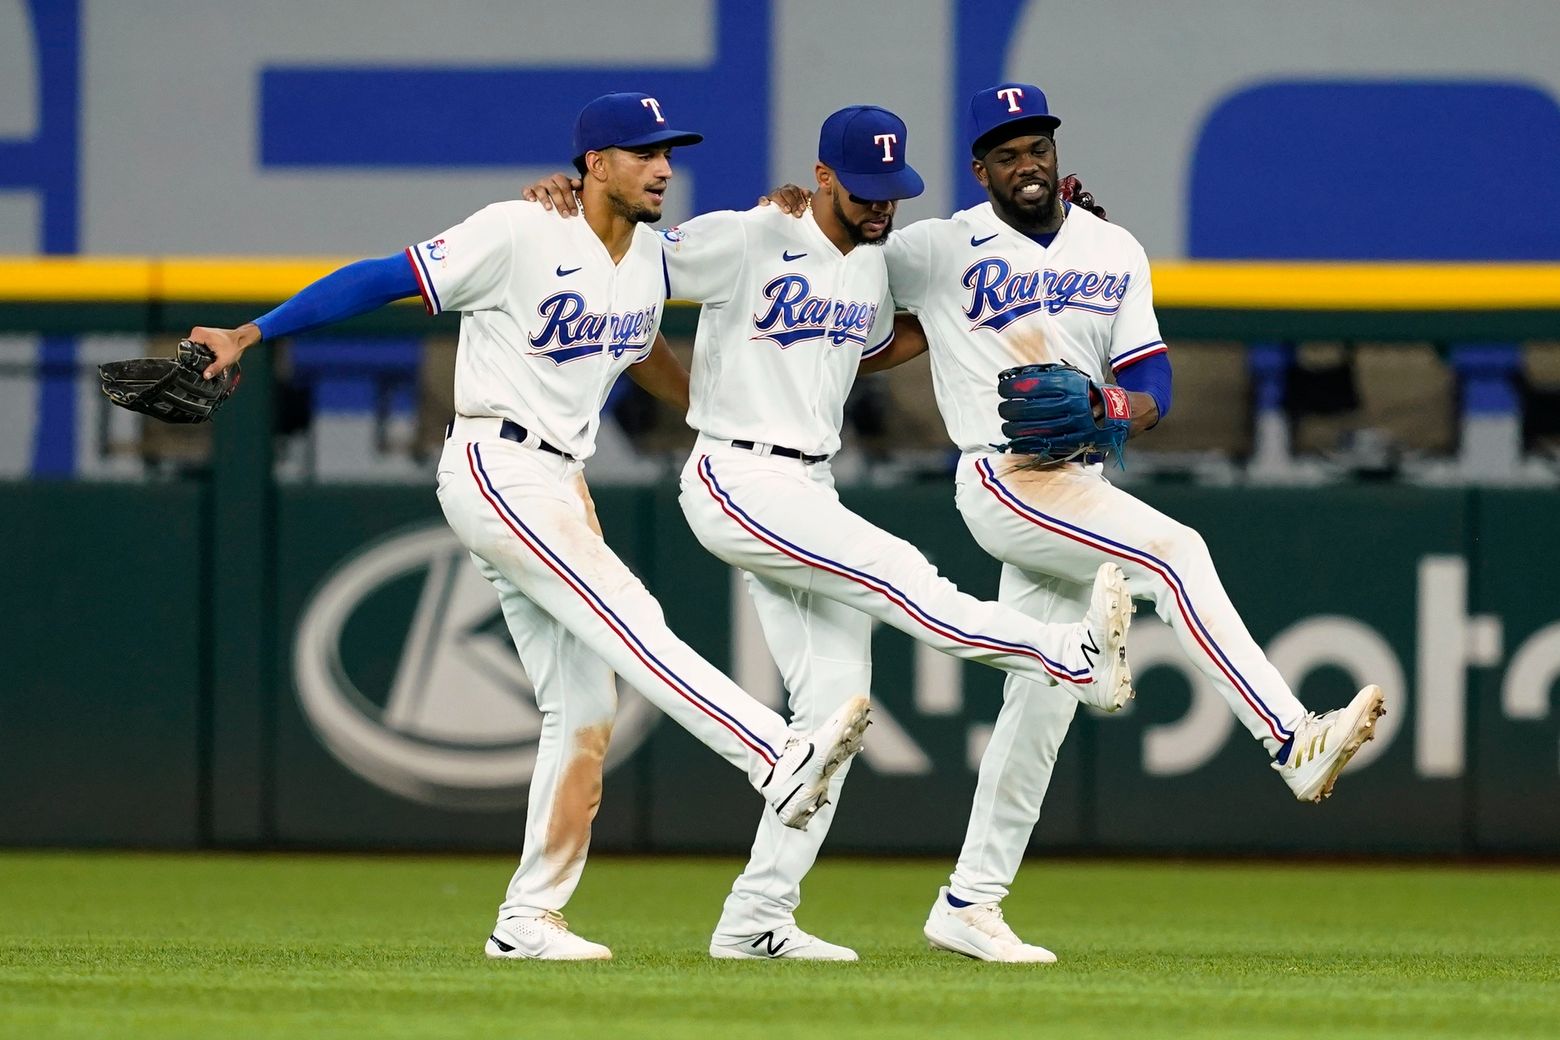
1048 412
170 389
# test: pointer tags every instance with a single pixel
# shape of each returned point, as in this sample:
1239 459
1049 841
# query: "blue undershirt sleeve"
355 289
1150 376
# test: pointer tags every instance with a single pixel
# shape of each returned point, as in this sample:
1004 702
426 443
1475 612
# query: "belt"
777 449
508 429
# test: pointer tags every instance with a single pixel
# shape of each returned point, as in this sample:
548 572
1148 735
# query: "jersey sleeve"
703 257
1134 335
467 267
909 257
882 333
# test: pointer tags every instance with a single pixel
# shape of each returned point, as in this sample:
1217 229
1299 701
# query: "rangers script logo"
999 295
456 724
571 331
796 315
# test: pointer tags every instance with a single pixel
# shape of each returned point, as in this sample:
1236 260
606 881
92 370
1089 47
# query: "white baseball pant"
820 571
1052 528
578 615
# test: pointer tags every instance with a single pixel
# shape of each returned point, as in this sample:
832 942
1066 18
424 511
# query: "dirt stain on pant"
577 798
590 503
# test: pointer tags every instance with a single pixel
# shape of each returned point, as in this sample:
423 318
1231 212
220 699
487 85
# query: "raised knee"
1172 554
1182 545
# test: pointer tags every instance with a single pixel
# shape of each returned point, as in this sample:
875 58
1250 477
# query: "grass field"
130 946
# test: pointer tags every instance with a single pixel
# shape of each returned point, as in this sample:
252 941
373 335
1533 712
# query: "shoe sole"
726 953
1114 689
851 722
494 953
1363 730
934 942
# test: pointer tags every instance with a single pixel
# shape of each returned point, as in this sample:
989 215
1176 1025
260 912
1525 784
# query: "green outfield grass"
129 946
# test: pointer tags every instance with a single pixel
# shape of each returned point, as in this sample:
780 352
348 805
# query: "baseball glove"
170 389
1071 189
1048 412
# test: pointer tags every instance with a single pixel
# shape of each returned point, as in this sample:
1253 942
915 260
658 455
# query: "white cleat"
1104 642
545 938
787 942
1323 744
798 785
979 931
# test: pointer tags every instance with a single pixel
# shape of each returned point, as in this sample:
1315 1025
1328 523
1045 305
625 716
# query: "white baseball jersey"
787 318
990 297
548 322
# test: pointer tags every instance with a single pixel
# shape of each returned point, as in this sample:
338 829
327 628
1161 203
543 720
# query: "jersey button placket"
604 369
827 354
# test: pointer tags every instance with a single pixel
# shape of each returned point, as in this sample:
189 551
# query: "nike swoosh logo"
562 273
787 257
978 242
501 944
787 800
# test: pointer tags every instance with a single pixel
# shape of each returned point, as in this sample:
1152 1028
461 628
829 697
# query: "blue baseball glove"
1048 412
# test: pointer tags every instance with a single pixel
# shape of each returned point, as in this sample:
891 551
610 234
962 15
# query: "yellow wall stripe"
1357 286
1255 286
72 279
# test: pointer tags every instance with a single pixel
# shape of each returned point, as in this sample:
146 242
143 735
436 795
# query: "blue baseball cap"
865 147
1013 108
625 121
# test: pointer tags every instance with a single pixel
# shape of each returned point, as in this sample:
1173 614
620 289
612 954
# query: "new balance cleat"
785 943
798 785
545 938
1323 744
979 931
1103 642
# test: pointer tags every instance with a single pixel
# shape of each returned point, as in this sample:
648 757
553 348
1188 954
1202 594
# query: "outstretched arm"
662 375
355 289
909 342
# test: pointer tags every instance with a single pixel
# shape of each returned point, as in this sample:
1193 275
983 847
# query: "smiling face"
1019 176
634 180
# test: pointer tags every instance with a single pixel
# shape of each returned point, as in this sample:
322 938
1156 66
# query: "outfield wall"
391 712
284 127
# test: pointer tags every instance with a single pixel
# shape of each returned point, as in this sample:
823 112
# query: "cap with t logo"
626 121
865 147
1006 111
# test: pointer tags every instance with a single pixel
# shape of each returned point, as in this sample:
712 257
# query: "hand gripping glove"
1048 412
170 389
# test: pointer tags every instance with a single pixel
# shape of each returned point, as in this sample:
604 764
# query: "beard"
633 210
857 235
1023 213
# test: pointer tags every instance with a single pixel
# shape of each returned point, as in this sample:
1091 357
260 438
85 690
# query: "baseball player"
790 307
1025 277
552 312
